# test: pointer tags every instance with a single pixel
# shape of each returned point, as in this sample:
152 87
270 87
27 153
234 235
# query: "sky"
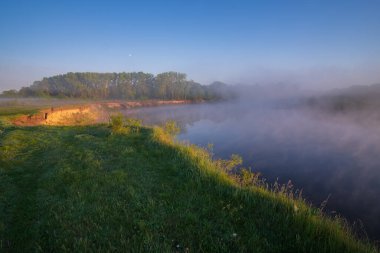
315 43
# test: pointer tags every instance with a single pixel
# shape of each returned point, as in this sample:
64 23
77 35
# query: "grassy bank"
7 114
134 189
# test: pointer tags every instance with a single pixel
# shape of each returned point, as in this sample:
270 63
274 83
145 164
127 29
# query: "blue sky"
315 43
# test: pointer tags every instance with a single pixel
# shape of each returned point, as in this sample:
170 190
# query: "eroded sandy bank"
85 114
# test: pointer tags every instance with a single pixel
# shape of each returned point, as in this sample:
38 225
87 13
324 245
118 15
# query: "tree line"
132 85
354 98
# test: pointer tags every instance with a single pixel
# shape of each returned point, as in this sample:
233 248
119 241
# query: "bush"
116 122
171 127
133 124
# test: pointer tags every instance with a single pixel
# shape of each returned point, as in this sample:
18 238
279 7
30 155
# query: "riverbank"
86 113
90 188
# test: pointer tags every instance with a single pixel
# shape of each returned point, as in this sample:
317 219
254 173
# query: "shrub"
116 122
133 124
171 127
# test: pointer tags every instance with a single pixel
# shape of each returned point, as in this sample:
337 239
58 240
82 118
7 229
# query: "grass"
94 189
7 113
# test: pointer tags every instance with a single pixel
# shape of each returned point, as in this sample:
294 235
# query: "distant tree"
10 93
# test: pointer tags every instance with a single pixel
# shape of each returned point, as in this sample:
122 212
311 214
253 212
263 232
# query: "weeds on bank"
171 127
119 124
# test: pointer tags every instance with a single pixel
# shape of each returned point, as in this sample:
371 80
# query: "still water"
334 157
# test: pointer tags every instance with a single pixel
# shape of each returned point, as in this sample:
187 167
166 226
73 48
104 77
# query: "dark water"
326 155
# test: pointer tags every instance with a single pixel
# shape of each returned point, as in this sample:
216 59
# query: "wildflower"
295 208
234 234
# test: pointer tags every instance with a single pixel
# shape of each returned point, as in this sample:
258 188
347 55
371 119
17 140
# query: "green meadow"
124 187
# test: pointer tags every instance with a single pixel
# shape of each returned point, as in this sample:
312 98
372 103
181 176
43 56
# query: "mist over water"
328 155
